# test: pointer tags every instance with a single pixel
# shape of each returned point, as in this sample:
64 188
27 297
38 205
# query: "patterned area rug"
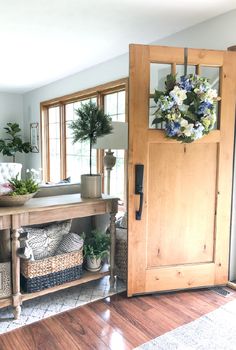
52 304
213 331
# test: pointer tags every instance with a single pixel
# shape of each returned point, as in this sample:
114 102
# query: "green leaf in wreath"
158 120
170 82
191 115
157 95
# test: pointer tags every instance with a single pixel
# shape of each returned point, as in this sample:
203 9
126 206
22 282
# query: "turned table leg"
113 212
16 297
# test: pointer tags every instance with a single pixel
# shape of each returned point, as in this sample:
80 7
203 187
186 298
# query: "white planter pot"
9 170
93 264
91 186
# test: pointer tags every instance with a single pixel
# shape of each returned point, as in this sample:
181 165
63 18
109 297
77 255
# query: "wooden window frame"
99 92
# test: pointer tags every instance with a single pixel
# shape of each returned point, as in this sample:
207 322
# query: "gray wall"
11 110
217 33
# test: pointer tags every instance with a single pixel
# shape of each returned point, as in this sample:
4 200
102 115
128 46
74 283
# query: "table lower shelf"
86 277
5 302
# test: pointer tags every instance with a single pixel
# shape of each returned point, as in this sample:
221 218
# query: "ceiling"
45 40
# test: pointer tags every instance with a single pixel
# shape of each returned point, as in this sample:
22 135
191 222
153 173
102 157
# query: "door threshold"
232 284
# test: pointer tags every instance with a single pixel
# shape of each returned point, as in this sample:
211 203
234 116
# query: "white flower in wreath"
183 108
210 95
179 95
187 128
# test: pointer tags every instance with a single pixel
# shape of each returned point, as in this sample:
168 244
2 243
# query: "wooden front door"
182 239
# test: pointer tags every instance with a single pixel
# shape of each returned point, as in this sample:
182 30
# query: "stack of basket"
58 261
41 274
121 254
121 251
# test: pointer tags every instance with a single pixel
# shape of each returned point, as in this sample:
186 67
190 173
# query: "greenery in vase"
20 187
96 244
13 143
91 123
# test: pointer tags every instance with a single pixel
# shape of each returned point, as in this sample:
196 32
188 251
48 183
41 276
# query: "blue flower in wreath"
198 131
172 128
203 107
185 83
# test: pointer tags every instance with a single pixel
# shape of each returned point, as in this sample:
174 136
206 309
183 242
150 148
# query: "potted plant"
91 123
13 143
96 247
17 192
9 146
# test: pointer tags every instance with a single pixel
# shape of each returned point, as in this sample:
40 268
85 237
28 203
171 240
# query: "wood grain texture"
5 220
187 187
138 108
5 245
115 323
227 123
179 169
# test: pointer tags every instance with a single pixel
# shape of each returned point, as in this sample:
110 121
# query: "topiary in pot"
91 123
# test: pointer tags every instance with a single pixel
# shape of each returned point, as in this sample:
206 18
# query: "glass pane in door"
158 73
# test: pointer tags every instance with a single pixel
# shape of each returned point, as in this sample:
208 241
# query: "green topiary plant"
13 143
91 123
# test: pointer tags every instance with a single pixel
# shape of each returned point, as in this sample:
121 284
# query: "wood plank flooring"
115 323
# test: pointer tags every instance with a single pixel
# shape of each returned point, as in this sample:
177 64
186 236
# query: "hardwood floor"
116 323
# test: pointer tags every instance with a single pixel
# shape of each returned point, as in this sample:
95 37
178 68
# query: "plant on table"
91 123
22 187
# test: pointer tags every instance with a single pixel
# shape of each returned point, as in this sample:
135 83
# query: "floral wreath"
187 107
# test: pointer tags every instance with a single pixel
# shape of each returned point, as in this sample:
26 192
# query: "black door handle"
139 169
139 211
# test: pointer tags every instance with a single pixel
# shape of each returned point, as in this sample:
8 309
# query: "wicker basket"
5 279
41 274
12 201
121 254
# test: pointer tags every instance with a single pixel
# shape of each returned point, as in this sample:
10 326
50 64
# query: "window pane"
158 73
114 105
54 143
121 106
213 75
110 104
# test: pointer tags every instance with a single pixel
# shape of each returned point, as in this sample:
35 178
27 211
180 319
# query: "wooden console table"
49 209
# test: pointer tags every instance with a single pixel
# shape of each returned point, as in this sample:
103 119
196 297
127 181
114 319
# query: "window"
54 142
62 158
